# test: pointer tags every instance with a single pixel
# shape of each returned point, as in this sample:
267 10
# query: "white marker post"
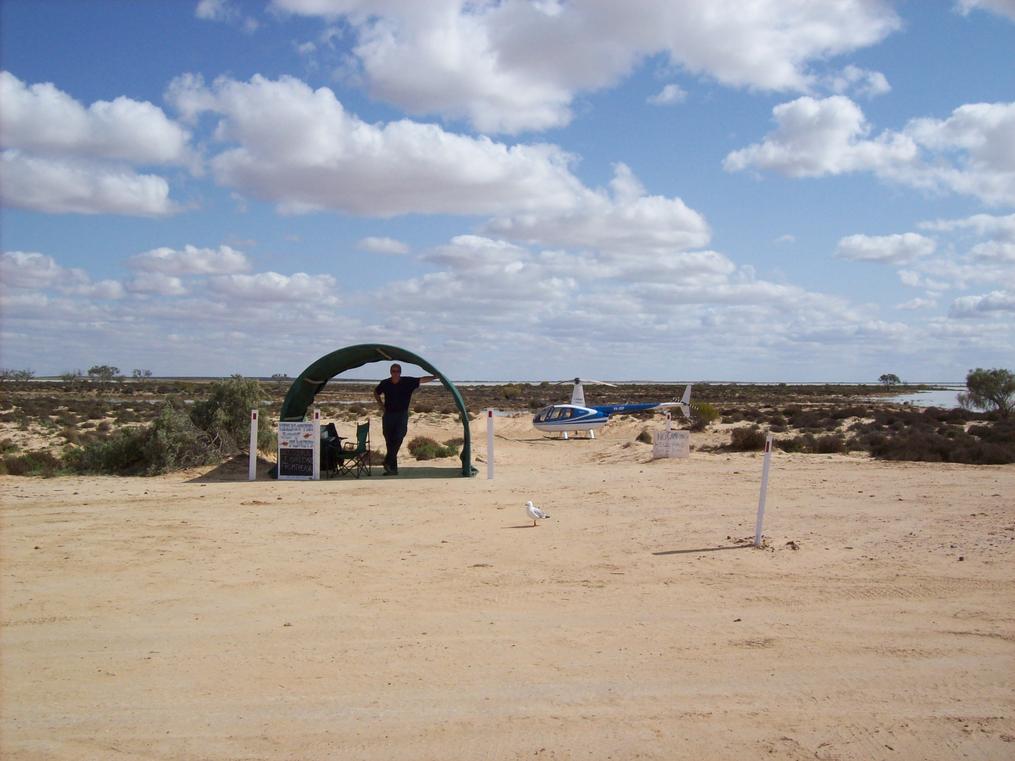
764 490
317 444
252 468
489 444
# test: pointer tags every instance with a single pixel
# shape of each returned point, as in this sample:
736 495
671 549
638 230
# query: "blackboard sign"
298 445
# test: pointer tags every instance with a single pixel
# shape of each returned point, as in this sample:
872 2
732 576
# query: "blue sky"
524 189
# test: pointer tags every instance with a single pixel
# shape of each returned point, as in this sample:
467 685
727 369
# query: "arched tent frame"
310 382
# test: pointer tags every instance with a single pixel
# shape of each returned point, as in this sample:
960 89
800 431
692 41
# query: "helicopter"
576 416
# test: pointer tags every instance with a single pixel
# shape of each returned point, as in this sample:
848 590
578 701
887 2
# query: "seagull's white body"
534 512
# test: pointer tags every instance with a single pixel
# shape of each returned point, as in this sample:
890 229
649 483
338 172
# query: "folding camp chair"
355 459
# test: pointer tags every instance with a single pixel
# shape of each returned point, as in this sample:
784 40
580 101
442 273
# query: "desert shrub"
455 442
104 427
70 435
225 414
7 445
747 439
172 441
645 437
802 443
832 443
425 448
703 414
422 407
31 464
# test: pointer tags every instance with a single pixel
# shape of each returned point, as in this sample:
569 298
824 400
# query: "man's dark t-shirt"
397 395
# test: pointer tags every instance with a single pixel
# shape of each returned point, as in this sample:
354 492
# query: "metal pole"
489 444
252 467
764 490
317 444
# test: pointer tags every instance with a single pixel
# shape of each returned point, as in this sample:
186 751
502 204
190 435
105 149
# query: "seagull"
534 512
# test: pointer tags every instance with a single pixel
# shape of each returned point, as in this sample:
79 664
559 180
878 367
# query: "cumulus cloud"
41 119
225 11
379 245
191 260
970 153
32 270
979 306
668 96
853 79
625 221
917 304
274 287
895 249
1001 7
815 137
156 283
61 157
82 187
313 155
517 65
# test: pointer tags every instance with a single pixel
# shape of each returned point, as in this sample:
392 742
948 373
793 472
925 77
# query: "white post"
252 467
669 421
489 444
317 444
764 490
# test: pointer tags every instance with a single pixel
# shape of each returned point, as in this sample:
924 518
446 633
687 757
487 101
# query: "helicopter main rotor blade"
585 381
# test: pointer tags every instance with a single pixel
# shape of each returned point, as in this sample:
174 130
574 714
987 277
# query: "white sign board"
671 444
298 449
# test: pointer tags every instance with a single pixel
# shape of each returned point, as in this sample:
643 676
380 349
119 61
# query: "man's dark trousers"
394 425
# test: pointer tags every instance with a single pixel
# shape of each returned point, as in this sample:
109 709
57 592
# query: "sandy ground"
199 616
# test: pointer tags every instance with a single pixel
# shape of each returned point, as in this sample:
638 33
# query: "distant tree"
103 372
989 390
889 379
71 375
7 374
141 374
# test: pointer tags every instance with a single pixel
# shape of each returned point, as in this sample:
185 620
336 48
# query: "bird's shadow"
524 525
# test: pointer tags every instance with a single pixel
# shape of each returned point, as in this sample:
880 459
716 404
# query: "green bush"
425 448
225 415
747 439
172 441
702 415
31 464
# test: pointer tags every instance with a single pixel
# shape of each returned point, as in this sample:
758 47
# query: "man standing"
397 392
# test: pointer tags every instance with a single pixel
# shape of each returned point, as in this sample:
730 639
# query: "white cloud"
895 249
312 155
1001 7
215 10
191 260
41 119
859 81
516 65
32 270
624 222
917 304
82 187
273 287
669 95
227 12
979 306
970 153
815 137
60 157
28 269
379 245
156 283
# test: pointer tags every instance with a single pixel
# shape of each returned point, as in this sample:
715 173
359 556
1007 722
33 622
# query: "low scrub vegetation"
425 448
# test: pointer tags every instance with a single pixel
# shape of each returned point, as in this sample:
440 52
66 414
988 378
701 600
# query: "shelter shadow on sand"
705 549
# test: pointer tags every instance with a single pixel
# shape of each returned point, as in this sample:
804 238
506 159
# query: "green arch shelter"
310 382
